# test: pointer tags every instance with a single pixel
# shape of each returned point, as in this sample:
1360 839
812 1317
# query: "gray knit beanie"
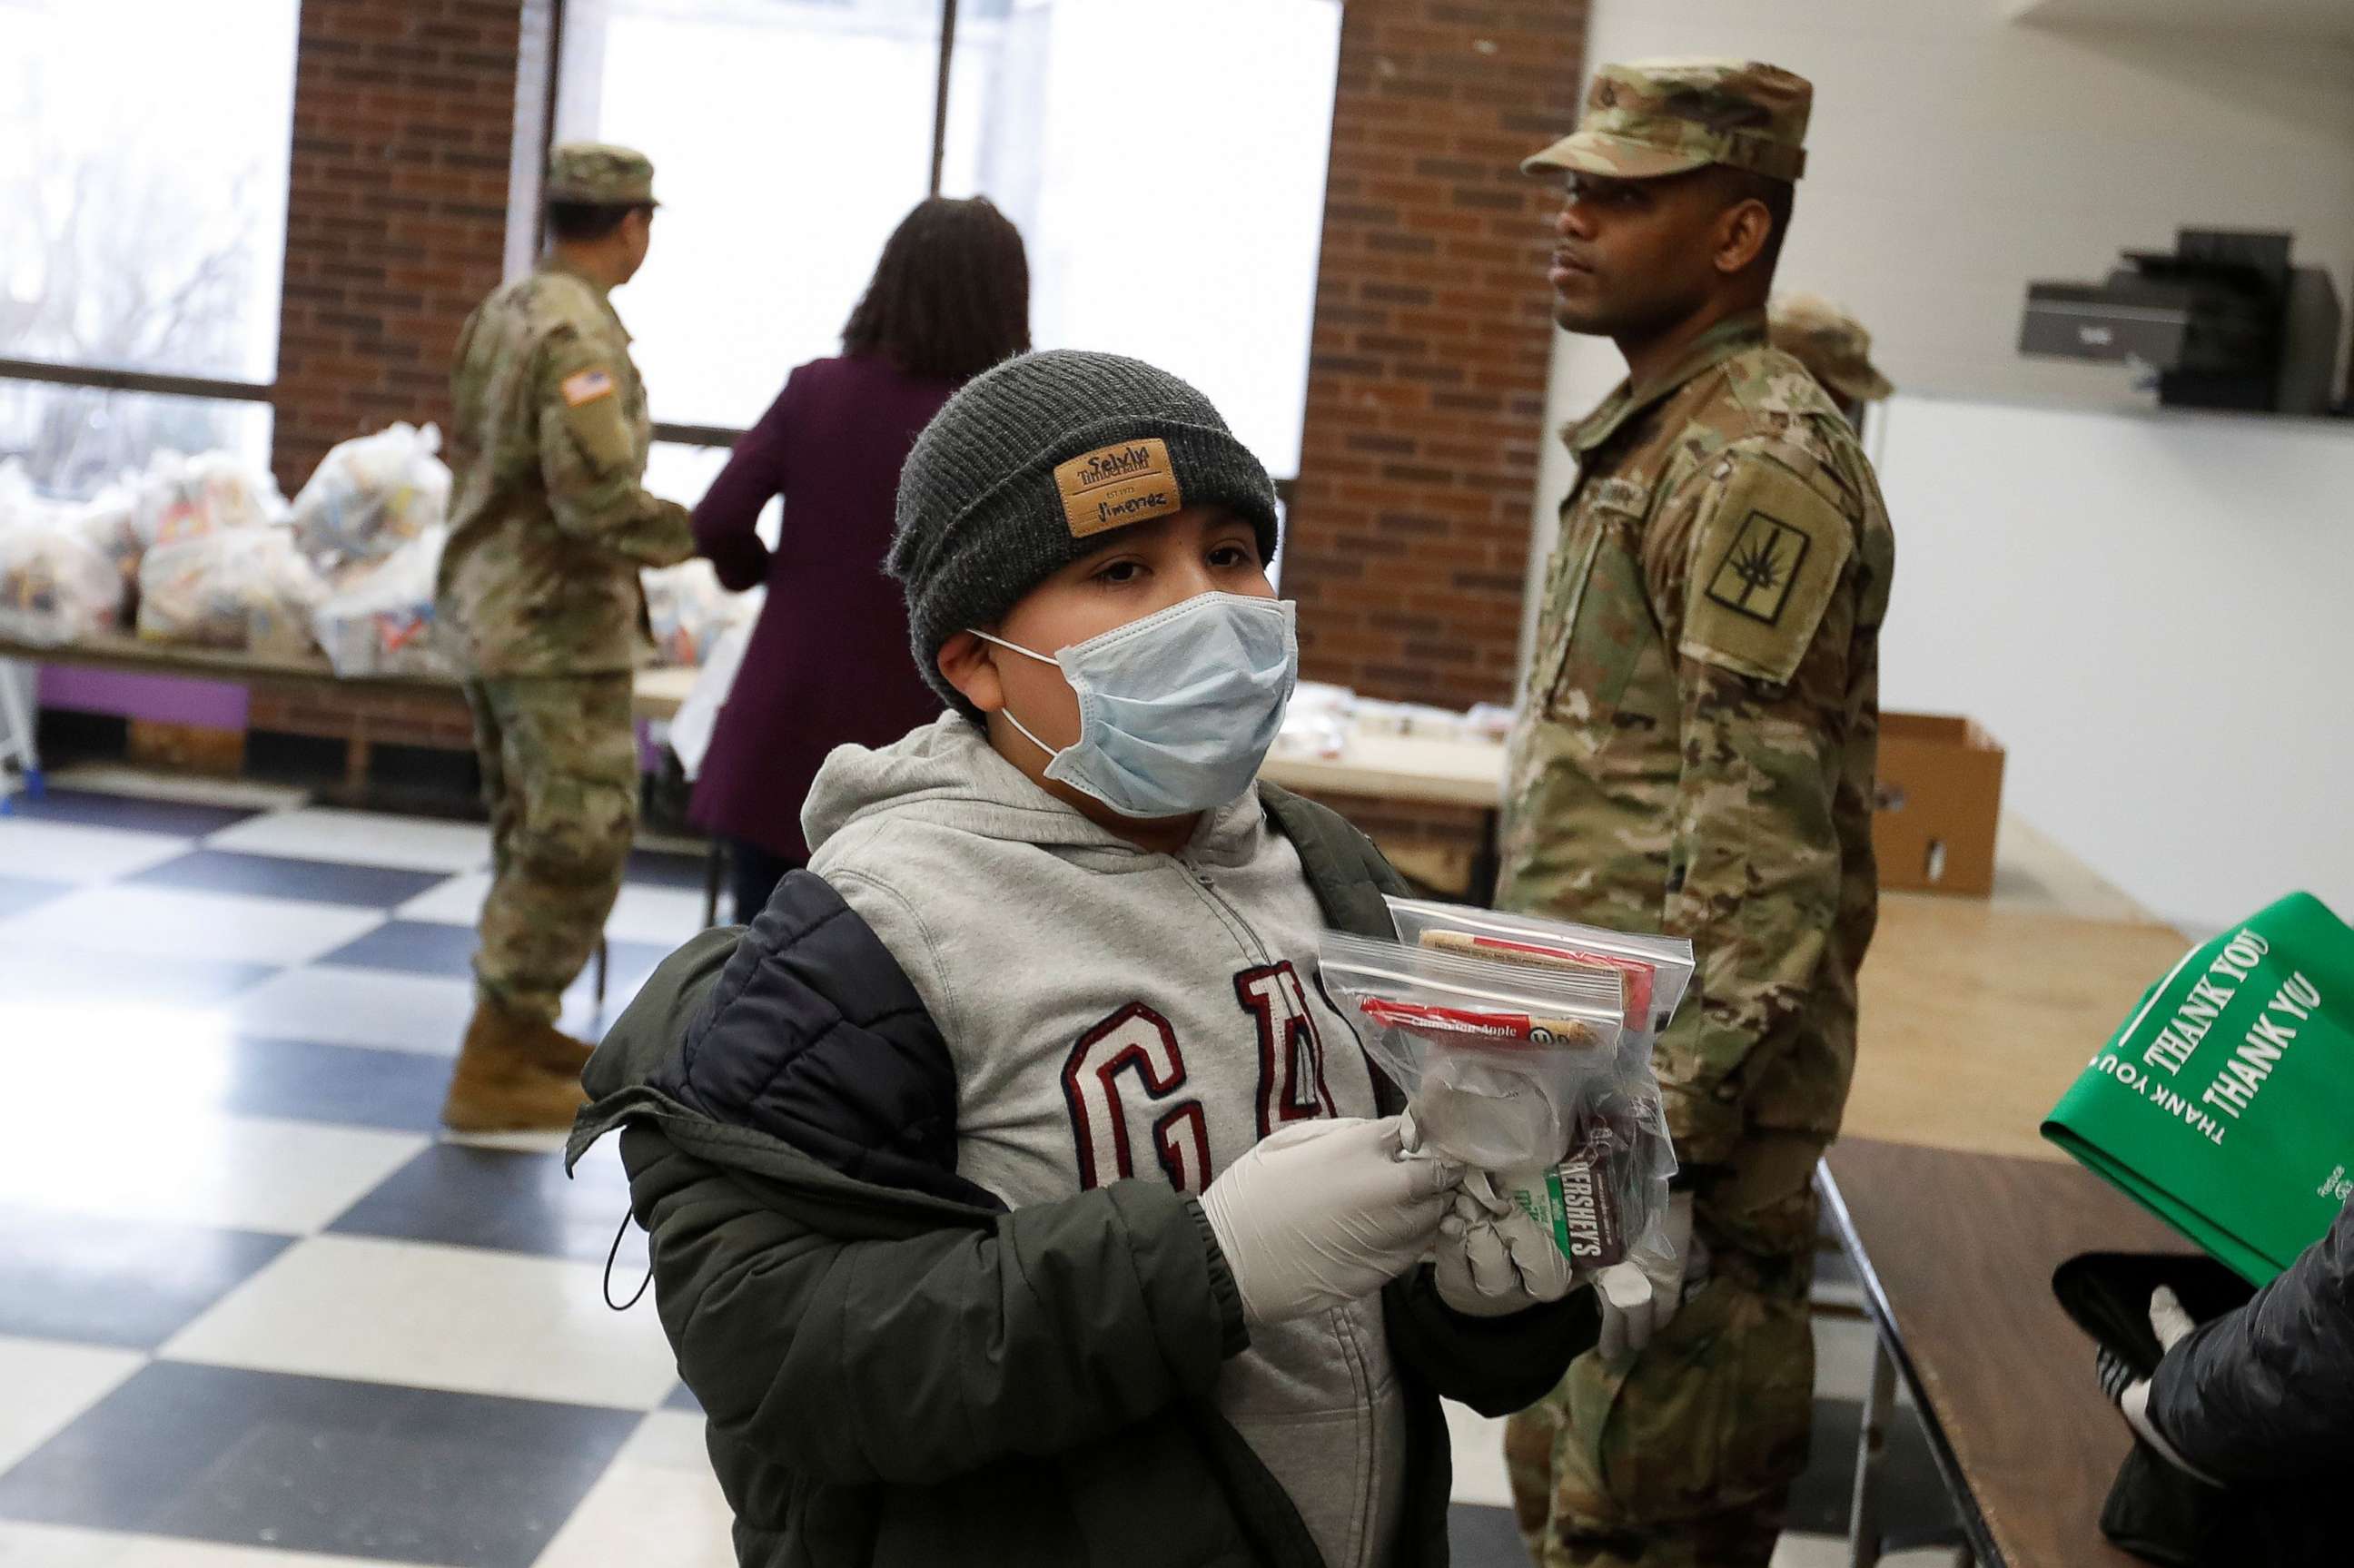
1024 470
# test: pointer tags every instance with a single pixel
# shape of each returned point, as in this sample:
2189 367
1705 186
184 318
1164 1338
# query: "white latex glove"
1492 1259
1640 1297
1322 1212
2130 1395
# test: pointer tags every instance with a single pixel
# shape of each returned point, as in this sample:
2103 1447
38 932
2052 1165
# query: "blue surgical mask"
1178 710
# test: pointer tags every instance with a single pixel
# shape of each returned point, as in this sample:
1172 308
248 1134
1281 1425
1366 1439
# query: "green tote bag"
2225 1104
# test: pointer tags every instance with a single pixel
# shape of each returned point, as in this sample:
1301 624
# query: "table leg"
600 972
715 866
1863 1532
1487 863
19 733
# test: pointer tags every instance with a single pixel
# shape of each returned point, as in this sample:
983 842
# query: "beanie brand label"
1113 486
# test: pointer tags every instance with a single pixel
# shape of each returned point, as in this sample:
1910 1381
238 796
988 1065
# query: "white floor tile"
361 838
152 1163
174 923
114 778
1799 1549
1843 1358
69 852
59 1546
338 1006
457 902
657 1506
1479 1443
665 915
438 1317
49 1384
66 977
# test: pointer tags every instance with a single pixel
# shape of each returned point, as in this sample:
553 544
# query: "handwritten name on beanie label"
1113 486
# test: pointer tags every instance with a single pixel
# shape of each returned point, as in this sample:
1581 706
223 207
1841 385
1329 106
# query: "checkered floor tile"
258 1312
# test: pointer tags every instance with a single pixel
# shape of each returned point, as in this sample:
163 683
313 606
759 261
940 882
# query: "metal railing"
111 378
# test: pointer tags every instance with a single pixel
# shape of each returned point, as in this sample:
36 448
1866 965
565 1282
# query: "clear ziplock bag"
1497 1061
1658 969
1517 1071
1513 1039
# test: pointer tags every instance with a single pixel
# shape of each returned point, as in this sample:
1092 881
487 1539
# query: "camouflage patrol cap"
597 174
1648 118
1832 344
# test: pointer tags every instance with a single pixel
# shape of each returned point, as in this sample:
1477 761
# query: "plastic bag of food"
381 622
187 498
1525 1049
55 587
1659 969
217 590
687 611
371 496
109 521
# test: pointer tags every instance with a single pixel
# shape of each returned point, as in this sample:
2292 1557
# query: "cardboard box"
1940 797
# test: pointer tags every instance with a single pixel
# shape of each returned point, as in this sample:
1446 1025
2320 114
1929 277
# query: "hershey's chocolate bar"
1590 1221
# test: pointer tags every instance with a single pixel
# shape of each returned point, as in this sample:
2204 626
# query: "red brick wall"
1409 532
396 212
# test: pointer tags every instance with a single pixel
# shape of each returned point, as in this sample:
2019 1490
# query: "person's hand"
1493 1259
2130 1395
1324 1213
1640 1297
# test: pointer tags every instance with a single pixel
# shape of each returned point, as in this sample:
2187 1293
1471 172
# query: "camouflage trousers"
1681 1454
560 776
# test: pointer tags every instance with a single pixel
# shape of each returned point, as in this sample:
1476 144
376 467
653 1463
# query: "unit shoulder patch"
1764 562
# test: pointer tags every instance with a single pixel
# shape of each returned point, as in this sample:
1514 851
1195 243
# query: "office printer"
2226 321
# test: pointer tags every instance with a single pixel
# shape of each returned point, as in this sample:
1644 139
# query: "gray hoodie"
1111 1012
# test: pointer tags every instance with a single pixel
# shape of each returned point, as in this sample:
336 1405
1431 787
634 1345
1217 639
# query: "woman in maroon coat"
828 662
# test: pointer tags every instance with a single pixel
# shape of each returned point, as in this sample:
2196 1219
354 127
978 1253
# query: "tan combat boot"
514 1075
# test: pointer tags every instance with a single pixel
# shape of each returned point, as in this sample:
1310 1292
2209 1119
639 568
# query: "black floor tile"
318 1464
281 876
1914 1502
97 807
298 1080
508 1199
429 948
662 868
413 947
132 1284
1484 1537
18 894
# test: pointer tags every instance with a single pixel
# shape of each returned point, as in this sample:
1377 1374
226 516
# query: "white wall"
2155 615
2150 611
1953 155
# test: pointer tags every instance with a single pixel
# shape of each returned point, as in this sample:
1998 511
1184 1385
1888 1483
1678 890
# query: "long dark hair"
950 296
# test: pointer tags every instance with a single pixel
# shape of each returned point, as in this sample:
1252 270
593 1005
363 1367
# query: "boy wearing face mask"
1016 1193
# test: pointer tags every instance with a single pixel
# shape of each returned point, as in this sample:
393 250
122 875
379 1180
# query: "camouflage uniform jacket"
550 521
1695 753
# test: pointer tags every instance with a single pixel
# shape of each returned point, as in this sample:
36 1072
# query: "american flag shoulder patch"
586 386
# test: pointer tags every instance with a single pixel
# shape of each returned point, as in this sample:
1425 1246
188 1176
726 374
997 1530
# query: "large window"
788 137
142 201
1165 159
1165 163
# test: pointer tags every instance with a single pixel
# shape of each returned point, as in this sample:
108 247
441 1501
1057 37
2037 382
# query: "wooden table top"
1421 769
658 693
1957 1251
1976 1017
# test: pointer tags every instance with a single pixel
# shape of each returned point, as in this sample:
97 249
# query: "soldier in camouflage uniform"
1833 346
1695 756
540 604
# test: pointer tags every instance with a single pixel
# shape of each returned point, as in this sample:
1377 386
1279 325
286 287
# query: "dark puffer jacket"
2266 1394
899 1371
